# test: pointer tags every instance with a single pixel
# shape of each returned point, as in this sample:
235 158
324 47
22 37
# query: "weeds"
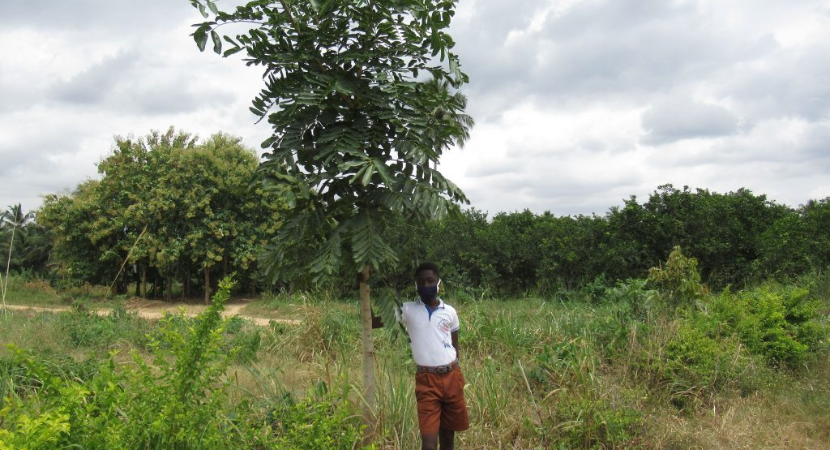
616 367
179 400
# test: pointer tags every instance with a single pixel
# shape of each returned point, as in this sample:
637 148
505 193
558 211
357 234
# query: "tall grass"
30 291
609 368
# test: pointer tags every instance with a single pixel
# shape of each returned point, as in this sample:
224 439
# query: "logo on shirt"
444 326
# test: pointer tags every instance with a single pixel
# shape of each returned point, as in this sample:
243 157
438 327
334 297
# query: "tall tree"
72 220
12 218
355 128
169 206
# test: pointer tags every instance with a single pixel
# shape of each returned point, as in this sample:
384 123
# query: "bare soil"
155 309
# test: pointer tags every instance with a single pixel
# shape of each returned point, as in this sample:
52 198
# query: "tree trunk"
368 356
143 282
168 290
8 264
207 285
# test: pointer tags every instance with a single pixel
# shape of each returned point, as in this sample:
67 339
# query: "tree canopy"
168 207
357 95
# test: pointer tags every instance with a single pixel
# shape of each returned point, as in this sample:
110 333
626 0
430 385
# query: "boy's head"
427 266
427 281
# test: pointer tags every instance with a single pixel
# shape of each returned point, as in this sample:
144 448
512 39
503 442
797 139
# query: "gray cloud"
96 84
791 82
677 119
132 83
603 50
94 16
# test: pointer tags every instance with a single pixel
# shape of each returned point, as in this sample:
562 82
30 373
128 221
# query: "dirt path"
154 310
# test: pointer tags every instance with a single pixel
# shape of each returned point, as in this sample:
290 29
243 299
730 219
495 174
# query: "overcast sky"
578 104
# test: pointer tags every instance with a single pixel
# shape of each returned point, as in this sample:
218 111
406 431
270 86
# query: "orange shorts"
441 403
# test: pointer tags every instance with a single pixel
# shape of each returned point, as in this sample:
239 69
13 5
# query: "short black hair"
428 266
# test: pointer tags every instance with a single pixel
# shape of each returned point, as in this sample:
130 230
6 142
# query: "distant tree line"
738 238
171 215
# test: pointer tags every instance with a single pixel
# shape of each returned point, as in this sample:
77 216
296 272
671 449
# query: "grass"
594 370
34 292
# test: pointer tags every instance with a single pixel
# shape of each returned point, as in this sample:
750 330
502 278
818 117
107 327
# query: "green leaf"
367 175
200 36
383 172
217 42
213 7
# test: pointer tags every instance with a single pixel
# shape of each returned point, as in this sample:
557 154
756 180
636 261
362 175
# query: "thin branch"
109 291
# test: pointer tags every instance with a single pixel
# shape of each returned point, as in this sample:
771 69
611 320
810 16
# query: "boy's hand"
377 322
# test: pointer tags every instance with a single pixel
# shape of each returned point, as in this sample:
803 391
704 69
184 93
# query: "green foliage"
584 416
818 283
169 206
722 230
322 421
680 278
27 245
602 374
720 346
698 365
178 402
779 323
87 329
596 424
355 130
45 431
460 246
240 341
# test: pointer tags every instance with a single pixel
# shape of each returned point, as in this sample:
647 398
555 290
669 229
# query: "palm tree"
14 218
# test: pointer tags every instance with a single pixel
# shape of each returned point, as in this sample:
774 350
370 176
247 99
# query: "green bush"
779 323
592 423
320 421
87 329
242 339
714 347
696 366
178 401
680 279
239 340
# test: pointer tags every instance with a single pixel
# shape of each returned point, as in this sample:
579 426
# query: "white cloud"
578 103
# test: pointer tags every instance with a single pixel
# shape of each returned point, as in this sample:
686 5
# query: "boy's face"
426 278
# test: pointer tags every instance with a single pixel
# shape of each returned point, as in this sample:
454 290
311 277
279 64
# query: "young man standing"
439 385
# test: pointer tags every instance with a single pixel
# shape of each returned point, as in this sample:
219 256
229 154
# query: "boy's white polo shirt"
430 333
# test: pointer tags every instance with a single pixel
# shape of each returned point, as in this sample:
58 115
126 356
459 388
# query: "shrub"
696 366
242 340
238 340
680 278
779 323
178 402
592 423
87 329
320 421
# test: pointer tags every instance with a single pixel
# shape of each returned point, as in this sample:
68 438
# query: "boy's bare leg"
429 441
447 439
